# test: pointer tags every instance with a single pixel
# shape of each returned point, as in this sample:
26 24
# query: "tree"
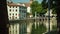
52 5
44 4
36 7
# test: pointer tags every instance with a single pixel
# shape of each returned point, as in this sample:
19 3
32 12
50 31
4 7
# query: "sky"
23 1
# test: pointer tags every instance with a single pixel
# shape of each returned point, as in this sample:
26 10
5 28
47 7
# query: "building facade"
16 11
22 12
13 11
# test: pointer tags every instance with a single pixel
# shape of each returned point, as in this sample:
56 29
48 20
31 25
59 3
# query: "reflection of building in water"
17 27
14 28
23 28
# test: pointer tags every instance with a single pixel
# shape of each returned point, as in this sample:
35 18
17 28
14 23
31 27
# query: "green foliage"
52 5
44 4
39 30
36 7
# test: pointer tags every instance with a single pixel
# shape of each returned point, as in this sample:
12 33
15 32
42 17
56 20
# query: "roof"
27 4
14 4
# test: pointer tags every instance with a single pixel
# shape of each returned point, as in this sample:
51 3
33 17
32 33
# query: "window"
24 11
10 10
43 19
13 28
16 13
40 19
24 15
13 13
19 10
10 17
10 13
16 29
16 10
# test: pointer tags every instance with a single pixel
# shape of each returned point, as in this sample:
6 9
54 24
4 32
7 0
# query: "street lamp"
49 16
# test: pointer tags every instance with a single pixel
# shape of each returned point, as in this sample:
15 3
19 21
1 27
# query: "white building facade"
15 11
